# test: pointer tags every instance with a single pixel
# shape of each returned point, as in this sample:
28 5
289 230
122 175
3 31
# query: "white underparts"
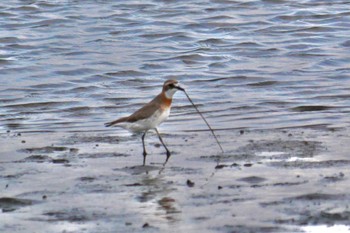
152 122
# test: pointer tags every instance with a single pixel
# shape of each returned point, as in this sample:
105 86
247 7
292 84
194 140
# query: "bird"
150 116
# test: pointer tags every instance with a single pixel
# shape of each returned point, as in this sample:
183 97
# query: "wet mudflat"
271 77
267 181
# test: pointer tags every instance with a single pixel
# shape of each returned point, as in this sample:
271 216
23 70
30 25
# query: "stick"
206 122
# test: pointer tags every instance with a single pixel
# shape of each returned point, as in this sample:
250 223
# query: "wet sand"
267 181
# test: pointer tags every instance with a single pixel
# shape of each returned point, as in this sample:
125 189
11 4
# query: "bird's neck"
165 99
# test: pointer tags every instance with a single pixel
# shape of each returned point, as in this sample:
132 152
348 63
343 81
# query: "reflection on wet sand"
155 196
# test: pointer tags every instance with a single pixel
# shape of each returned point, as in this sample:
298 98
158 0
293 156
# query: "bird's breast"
162 114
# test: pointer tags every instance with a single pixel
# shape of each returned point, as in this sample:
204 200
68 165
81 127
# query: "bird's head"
170 87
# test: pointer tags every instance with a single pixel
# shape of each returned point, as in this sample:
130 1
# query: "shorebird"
150 116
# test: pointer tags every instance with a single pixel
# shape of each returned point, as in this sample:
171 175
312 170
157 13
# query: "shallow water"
271 77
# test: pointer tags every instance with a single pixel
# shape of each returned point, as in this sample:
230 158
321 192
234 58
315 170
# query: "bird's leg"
167 151
144 148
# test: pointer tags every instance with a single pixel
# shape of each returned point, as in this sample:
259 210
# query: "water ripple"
245 63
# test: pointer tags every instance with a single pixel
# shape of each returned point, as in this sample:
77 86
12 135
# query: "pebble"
190 183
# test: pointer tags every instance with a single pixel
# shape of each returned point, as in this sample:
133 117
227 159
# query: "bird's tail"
123 119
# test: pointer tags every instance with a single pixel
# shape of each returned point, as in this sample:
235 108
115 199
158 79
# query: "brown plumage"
159 102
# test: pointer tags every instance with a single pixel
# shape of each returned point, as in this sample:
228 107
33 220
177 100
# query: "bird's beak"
180 88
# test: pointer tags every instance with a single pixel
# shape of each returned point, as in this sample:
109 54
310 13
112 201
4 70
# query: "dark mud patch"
286 184
330 218
300 164
13 176
73 215
36 159
95 139
313 209
133 185
258 182
43 159
252 179
318 197
87 179
136 170
60 161
313 197
334 178
9 204
221 166
318 218
101 155
49 149
228 157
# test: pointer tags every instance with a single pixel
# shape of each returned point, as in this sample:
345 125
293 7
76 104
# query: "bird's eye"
171 85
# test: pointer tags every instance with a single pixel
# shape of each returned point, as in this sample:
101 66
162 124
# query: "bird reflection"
156 193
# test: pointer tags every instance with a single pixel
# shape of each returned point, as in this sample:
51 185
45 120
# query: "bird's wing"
144 112
123 119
